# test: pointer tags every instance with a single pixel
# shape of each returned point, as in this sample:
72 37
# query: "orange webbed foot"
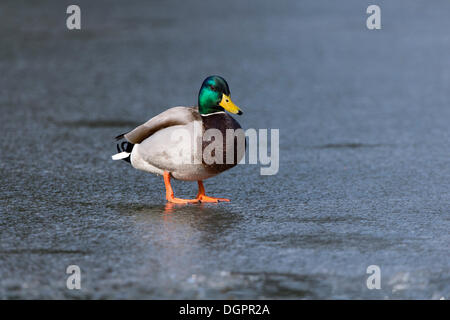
205 198
172 199
170 195
202 197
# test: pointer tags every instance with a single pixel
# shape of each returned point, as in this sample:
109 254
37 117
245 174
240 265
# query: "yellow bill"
228 105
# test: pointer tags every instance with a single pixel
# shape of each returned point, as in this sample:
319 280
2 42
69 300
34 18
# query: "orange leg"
169 192
204 198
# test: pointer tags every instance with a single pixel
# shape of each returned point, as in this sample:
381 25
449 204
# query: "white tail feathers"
120 156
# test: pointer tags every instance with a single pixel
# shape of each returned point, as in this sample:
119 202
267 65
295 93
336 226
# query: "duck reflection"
206 222
181 239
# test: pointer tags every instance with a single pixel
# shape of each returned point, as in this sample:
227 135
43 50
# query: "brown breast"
222 122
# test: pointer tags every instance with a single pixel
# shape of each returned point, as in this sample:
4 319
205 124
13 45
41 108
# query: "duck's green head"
214 96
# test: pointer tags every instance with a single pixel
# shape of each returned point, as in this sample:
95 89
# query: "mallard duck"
158 147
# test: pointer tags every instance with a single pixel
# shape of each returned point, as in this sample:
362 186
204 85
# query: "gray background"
364 150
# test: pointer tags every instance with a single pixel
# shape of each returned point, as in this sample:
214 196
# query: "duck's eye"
212 88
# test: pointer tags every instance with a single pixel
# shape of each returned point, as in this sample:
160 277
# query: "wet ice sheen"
363 119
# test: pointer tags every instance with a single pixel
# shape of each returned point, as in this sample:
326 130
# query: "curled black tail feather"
125 146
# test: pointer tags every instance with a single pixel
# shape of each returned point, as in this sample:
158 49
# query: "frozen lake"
364 150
